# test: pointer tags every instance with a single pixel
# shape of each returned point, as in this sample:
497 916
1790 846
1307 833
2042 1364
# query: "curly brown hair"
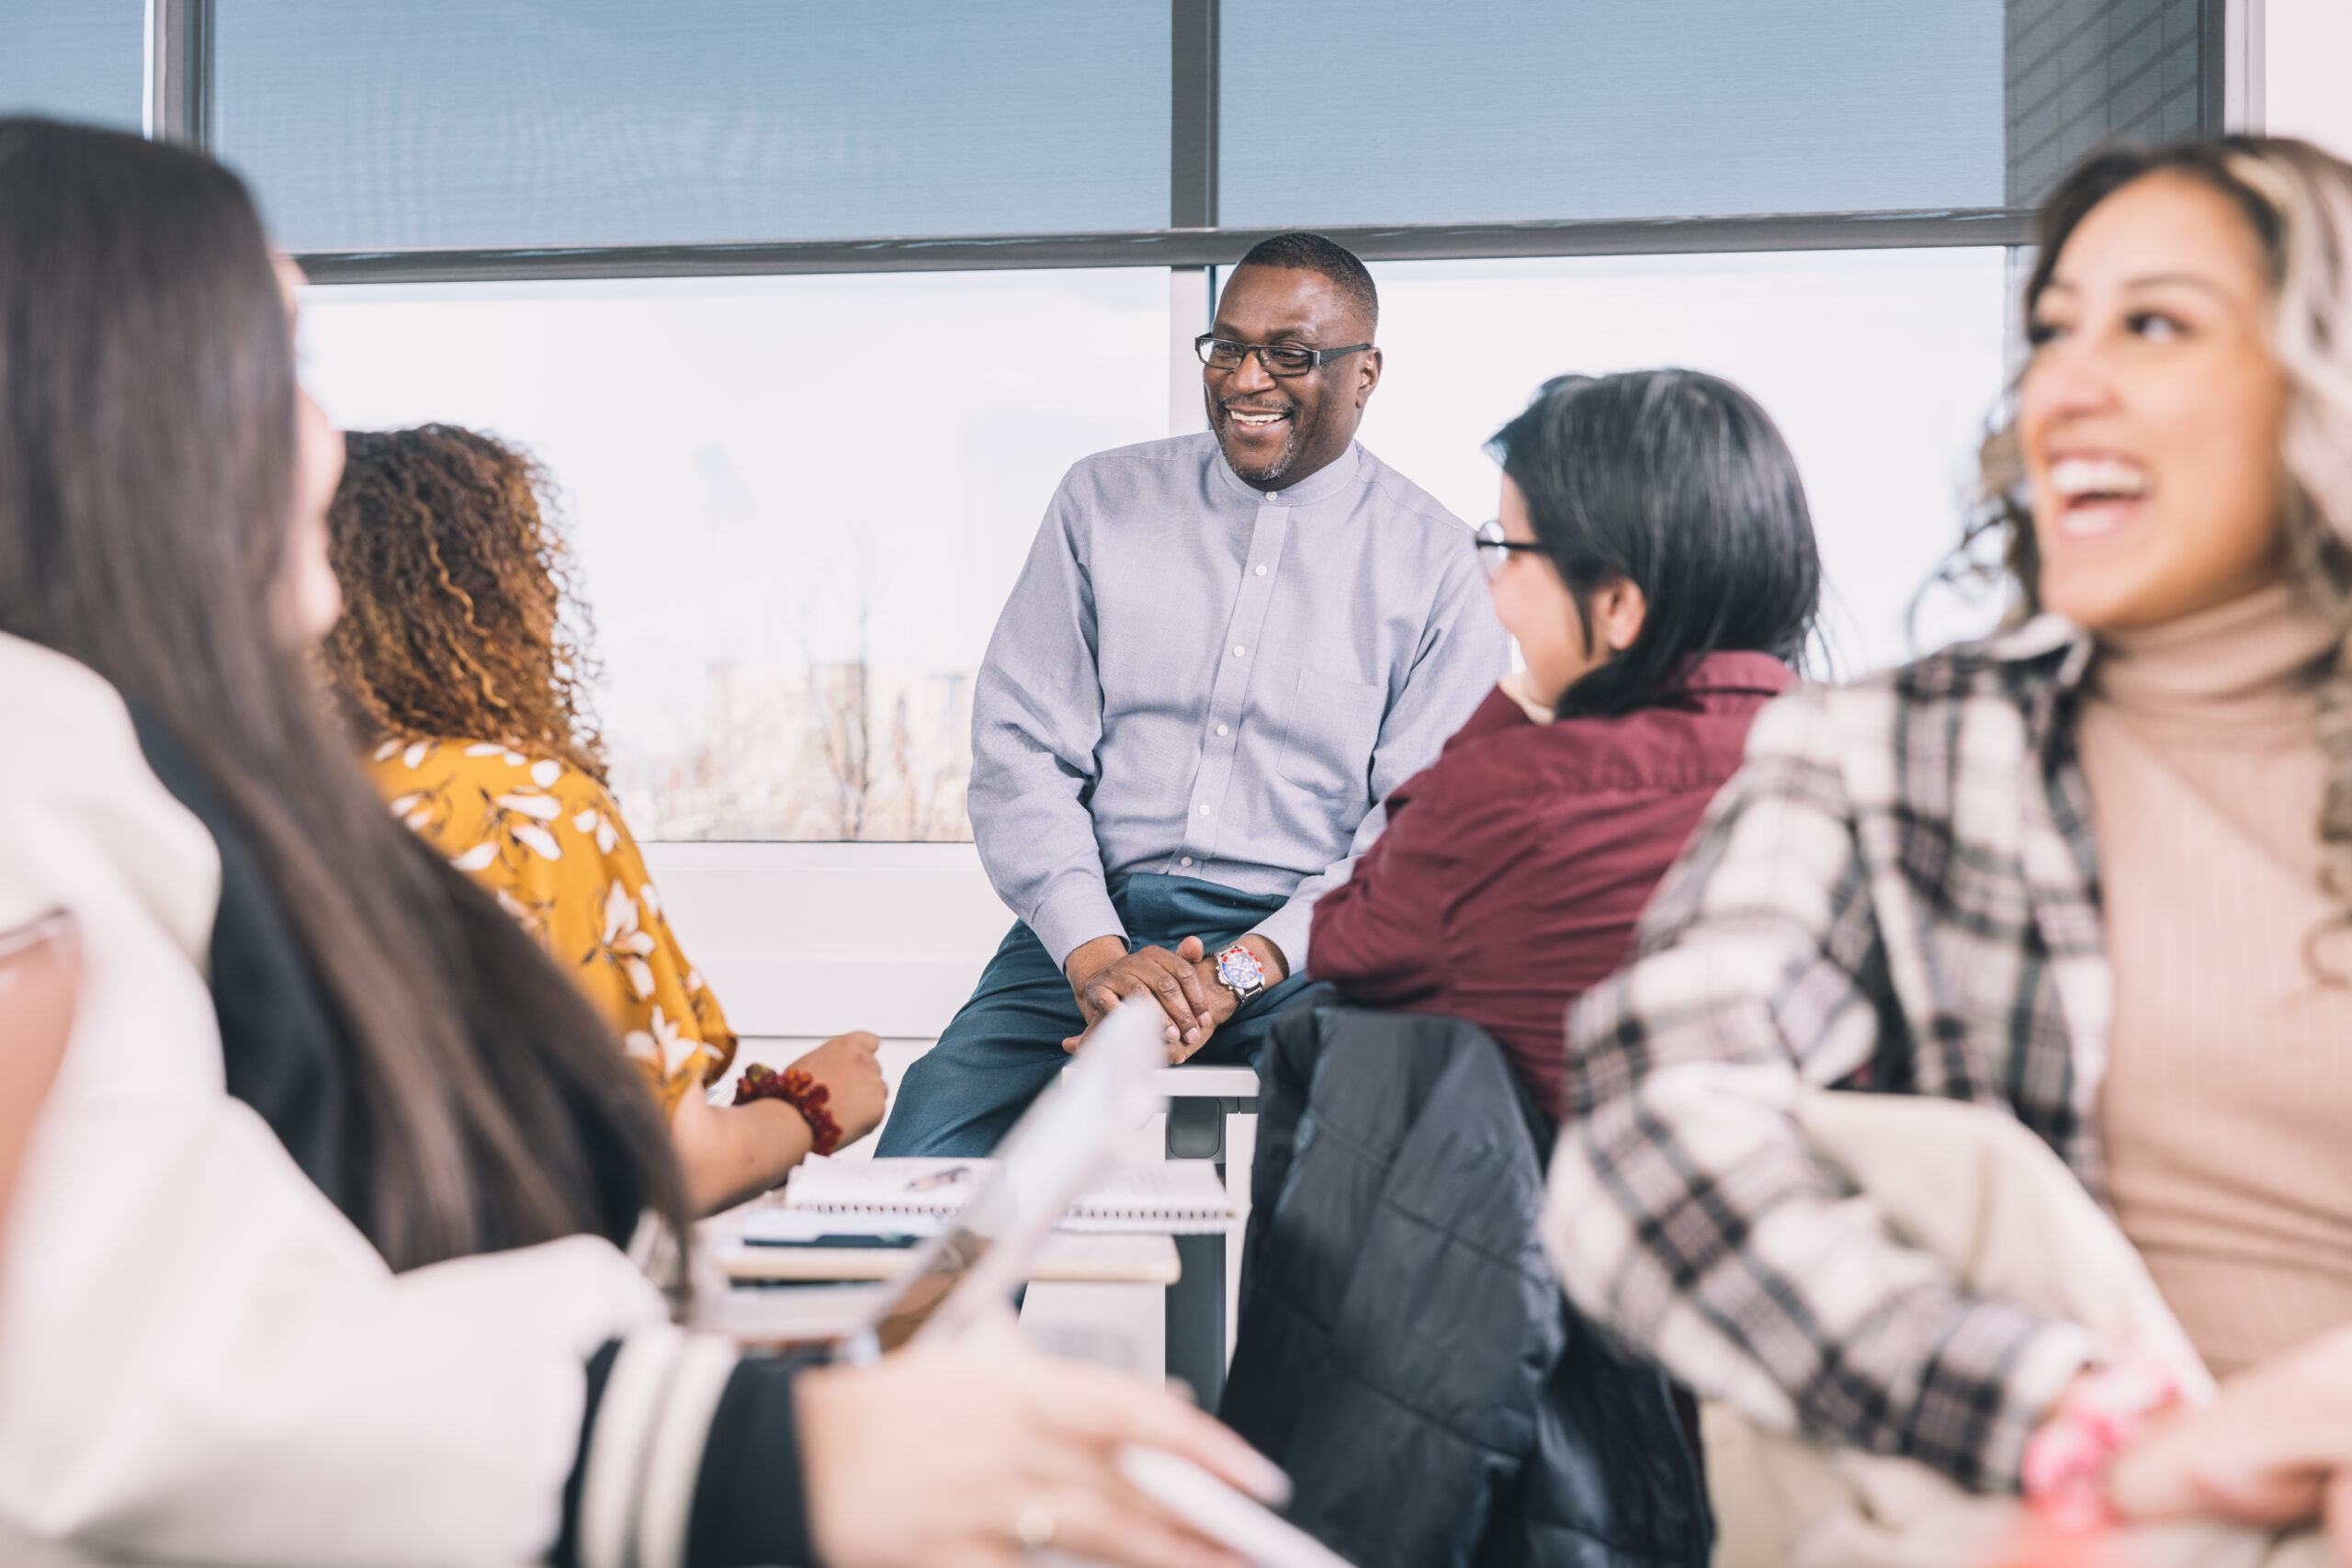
459 618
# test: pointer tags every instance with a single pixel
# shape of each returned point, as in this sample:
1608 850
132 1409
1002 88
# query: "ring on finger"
1034 1529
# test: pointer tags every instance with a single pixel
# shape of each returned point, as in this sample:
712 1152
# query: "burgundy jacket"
1512 868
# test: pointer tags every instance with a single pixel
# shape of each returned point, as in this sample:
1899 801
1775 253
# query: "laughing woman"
2091 873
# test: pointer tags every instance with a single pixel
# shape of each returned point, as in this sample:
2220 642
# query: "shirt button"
1220 729
1238 650
1204 810
1261 571
1186 861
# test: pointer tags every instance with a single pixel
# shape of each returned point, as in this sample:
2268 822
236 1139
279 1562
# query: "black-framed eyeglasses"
1279 358
1493 548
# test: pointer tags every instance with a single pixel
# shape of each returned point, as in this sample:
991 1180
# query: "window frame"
783 987
180 70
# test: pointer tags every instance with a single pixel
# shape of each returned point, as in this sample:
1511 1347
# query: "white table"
1064 1259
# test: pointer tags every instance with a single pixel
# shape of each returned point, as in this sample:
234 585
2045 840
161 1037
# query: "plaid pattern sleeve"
1846 915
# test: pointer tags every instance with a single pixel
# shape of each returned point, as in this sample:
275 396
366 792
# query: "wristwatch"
1239 971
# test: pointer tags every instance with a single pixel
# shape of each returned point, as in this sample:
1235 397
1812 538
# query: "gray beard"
1272 474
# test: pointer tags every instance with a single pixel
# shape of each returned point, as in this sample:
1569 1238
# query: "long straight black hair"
147 401
1680 483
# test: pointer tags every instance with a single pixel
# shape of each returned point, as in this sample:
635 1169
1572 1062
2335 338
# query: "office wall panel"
2080 72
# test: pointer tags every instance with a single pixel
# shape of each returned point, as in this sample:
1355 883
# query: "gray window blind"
454 123
83 59
1400 111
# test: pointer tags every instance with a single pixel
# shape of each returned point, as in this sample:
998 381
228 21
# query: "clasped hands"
1103 973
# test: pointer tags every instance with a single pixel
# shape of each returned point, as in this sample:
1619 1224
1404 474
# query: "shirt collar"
1344 470
1739 671
2048 638
2045 660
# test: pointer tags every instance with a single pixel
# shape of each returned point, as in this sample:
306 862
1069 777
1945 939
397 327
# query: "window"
1879 366
451 123
81 60
797 503
807 306
1520 109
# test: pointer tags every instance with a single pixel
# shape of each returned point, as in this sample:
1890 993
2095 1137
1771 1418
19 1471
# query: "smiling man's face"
1278 430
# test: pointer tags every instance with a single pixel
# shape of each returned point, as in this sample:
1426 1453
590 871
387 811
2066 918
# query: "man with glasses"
1225 650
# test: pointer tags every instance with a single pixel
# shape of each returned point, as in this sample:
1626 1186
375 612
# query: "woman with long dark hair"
2090 874
318 1252
1655 561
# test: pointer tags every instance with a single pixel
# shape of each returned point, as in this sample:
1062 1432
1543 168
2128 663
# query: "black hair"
1680 483
1304 252
147 449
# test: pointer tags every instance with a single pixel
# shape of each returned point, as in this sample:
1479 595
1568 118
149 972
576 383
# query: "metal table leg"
1195 1320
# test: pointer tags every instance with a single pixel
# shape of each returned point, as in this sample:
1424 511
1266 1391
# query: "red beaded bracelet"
800 1091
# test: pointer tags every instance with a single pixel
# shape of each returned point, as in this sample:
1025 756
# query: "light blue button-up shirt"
1199 679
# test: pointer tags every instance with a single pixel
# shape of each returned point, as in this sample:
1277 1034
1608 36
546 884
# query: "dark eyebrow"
2156 280
1275 336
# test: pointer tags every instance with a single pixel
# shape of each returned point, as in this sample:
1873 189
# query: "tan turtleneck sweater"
2227 1106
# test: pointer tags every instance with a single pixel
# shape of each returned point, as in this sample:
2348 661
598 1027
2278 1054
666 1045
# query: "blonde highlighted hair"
2298 201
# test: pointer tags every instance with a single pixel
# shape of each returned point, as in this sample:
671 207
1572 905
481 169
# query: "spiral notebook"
1177 1197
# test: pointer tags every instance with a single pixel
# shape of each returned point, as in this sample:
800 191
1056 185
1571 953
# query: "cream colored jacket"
201 1357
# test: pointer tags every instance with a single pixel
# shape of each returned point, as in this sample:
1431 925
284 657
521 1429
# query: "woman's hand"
732 1152
851 1075
2275 1448
971 1455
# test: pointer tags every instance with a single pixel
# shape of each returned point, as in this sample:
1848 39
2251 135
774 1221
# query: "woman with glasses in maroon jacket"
1655 561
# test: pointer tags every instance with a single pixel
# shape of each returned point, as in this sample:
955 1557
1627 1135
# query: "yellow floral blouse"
547 840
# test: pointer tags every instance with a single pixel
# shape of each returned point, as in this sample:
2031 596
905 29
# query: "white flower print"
544 773
474 858
677 1048
592 822
413 758
624 943
537 808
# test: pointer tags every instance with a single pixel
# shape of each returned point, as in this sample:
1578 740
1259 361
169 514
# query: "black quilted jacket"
1404 1350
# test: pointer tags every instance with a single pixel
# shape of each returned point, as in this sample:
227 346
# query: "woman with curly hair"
461 657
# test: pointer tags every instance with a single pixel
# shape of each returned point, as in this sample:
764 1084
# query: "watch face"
1239 969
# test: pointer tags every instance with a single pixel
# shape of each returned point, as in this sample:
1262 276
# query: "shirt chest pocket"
1330 727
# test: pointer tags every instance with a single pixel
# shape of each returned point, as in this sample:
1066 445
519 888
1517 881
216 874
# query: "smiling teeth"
2072 477
1244 417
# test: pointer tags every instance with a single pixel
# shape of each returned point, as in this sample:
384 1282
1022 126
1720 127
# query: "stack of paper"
1177 1197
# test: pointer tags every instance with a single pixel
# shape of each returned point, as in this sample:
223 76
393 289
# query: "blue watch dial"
1239 969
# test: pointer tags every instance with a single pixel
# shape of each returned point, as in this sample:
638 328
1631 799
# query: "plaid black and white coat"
1899 892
